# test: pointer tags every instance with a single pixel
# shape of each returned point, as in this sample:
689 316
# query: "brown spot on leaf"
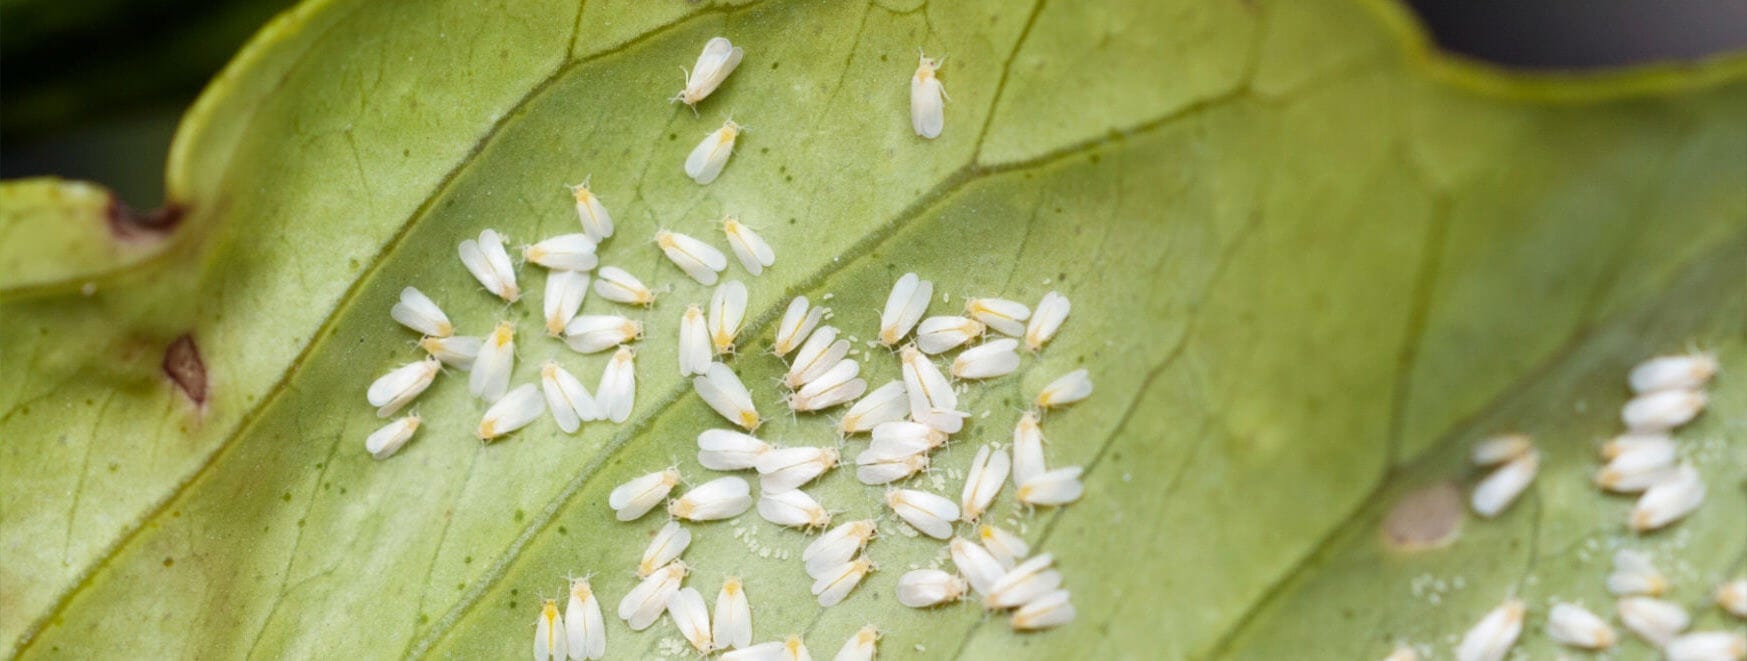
1428 518
128 224
183 365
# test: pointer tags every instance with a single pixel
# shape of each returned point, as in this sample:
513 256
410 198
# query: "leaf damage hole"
127 224
183 365
1424 519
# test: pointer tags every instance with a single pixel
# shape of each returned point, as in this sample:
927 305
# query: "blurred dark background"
92 89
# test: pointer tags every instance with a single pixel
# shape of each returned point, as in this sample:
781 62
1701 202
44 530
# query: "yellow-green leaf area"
1307 263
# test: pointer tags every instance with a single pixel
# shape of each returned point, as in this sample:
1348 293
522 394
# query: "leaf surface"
1303 253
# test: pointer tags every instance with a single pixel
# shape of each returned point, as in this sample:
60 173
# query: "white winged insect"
837 582
646 602
384 442
820 353
987 360
1669 500
718 59
791 649
596 222
570 403
748 246
794 509
1681 372
1655 620
942 334
860 646
887 403
692 619
1706 646
977 564
722 390
729 450
667 545
490 377
706 161
1046 319
797 324
1491 638
732 626
511 412
1056 487
590 333
618 388
1732 596
549 634
789 468
927 98
1636 574
837 546
585 631
1662 410
490 265
1026 581
922 588
1573 625
565 252
1027 449
457 351
395 389
1639 466
721 498
694 342
874 468
636 497
1006 317
837 385
1066 389
619 286
417 311
702 261
902 438
927 388
1053 609
1007 547
564 293
1500 488
928 513
727 315
983 481
905 306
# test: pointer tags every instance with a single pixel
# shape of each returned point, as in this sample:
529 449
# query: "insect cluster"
905 419
1668 392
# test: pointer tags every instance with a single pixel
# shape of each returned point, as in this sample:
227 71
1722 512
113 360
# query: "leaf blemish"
1425 519
183 365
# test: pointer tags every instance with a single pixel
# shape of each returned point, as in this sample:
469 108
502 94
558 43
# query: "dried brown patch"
183 365
1424 519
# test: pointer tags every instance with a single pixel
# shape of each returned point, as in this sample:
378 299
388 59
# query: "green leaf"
1310 261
